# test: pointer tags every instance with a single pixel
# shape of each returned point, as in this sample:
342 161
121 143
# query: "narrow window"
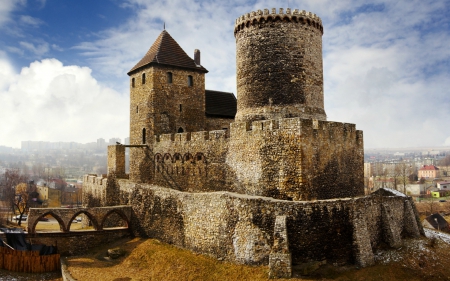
169 77
181 108
180 130
143 136
137 108
143 78
190 81
132 82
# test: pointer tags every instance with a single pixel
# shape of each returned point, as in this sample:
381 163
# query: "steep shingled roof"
220 104
165 50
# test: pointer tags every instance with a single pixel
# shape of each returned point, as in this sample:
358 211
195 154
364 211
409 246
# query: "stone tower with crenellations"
279 65
261 179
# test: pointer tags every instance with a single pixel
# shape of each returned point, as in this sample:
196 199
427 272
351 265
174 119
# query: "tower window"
137 108
143 78
180 130
190 81
169 77
132 82
143 136
181 108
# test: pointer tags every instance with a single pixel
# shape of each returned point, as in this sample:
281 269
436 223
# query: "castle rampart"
240 228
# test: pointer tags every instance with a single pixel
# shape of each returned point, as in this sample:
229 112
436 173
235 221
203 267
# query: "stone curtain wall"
94 191
292 159
296 159
279 65
192 161
240 228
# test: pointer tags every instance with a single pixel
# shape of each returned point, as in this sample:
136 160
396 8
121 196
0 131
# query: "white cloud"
38 49
52 102
386 63
28 20
6 7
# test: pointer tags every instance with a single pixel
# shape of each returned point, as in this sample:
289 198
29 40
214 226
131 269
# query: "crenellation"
182 137
200 136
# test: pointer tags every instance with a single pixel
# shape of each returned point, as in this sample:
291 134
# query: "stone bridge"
65 216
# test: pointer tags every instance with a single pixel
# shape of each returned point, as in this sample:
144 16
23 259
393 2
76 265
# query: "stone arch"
177 157
89 215
158 158
187 157
62 225
118 212
167 158
200 157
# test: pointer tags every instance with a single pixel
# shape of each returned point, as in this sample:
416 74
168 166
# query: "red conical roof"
166 51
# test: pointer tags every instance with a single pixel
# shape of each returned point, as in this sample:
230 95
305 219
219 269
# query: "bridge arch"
89 215
62 225
119 213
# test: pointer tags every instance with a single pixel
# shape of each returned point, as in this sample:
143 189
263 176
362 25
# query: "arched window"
143 136
169 77
132 82
143 78
180 130
190 81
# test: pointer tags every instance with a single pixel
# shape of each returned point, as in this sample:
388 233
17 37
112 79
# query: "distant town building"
429 171
443 185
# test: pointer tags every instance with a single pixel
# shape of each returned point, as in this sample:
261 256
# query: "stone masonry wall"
296 159
75 243
240 228
191 161
161 107
279 65
291 158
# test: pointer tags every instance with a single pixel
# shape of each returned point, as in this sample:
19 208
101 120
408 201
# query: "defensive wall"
290 158
241 228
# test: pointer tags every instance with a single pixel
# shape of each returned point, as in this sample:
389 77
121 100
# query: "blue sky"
63 63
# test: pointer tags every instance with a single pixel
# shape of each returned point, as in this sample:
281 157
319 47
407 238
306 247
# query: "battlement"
193 136
93 178
291 16
297 123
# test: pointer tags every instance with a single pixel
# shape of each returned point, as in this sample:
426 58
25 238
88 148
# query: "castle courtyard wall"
240 228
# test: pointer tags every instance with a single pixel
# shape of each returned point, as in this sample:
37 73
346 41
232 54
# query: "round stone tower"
279 65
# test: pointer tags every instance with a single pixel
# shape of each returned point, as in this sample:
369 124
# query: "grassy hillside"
149 259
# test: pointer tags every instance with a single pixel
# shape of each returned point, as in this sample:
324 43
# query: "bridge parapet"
65 216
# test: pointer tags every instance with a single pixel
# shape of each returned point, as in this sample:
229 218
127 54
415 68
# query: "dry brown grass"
149 259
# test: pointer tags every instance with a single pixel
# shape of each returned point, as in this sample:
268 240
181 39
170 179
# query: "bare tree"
404 174
12 179
21 200
445 162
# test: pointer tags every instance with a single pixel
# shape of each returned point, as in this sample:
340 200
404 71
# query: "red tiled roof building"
429 171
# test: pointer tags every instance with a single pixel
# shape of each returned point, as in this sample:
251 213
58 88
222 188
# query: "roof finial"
164 25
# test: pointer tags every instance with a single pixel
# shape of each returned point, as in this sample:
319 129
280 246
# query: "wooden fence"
28 261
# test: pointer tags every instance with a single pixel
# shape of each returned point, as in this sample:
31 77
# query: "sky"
63 63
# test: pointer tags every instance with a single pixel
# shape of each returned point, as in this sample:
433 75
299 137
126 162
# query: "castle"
264 179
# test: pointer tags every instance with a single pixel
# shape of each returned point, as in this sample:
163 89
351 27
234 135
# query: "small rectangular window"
169 77
132 82
143 78
190 81
180 108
